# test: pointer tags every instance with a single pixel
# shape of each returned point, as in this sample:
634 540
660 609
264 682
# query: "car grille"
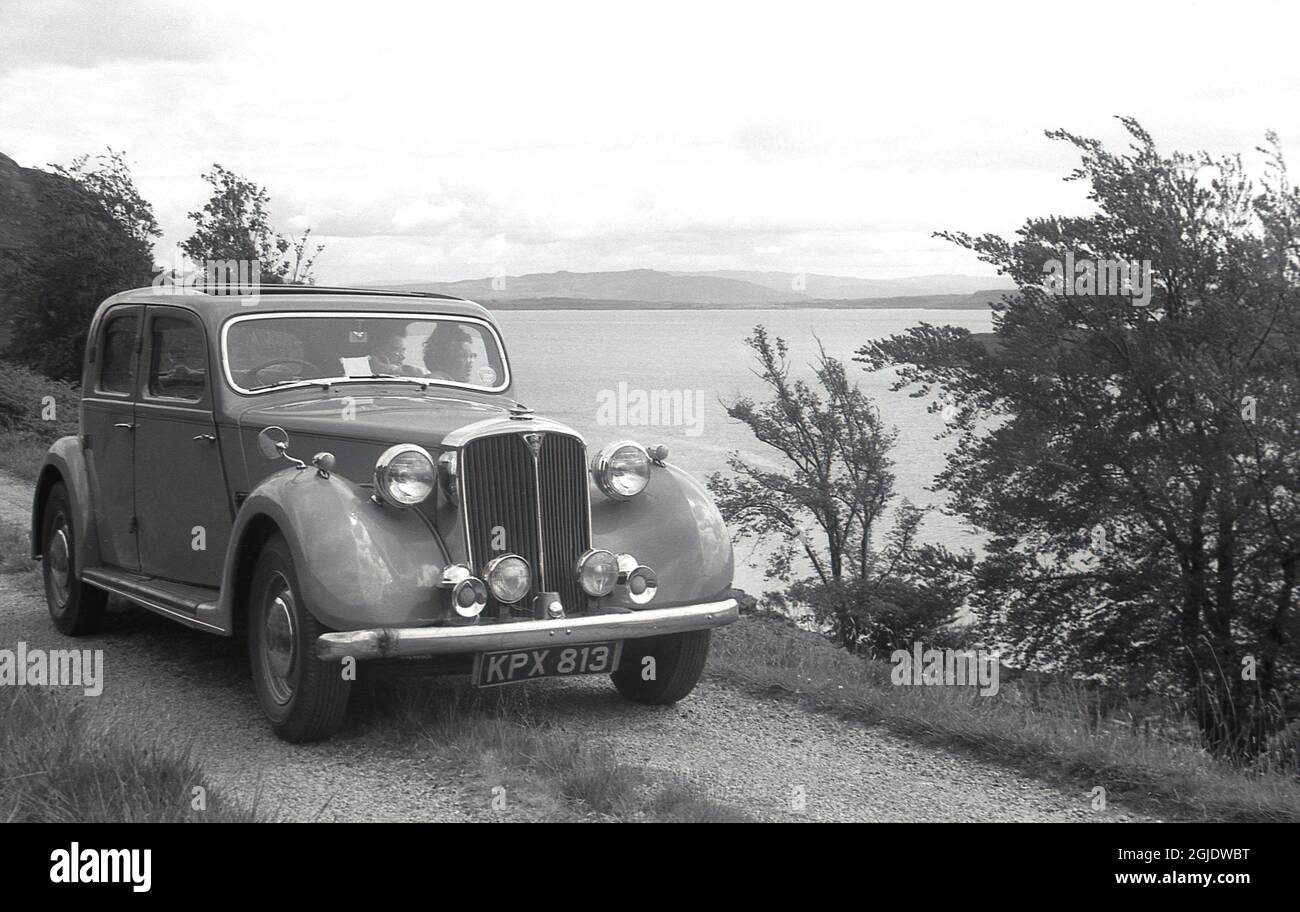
540 505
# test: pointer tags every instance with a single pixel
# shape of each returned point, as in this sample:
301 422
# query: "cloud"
452 140
86 34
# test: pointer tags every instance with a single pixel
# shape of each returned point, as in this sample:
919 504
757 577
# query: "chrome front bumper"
384 642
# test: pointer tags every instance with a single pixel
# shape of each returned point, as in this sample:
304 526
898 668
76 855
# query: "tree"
1135 461
826 502
110 181
235 225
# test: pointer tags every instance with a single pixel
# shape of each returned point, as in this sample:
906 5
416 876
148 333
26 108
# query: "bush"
877 616
25 408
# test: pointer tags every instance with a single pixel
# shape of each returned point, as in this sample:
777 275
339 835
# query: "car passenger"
449 354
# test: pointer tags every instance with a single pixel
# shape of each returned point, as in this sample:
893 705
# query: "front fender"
65 461
358 564
674 528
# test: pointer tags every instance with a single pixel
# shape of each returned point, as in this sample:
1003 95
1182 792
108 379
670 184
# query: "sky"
434 141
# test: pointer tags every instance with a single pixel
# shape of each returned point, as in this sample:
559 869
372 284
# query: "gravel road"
165 684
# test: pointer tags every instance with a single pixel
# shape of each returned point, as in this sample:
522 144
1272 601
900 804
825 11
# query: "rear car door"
180 486
108 433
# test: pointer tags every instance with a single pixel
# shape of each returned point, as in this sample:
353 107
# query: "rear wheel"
75 607
663 669
304 698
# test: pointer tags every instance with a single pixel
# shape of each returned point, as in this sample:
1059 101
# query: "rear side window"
117 372
178 366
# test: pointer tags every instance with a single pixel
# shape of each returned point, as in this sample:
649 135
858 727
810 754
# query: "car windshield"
265 352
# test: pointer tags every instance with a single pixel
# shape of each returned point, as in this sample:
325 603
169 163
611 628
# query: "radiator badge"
534 442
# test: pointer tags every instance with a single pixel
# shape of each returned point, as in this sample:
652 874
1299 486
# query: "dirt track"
165 684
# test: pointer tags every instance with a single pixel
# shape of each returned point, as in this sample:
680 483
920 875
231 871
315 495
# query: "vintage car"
344 475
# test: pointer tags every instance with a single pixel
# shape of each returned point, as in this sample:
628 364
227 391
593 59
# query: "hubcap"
59 564
279 642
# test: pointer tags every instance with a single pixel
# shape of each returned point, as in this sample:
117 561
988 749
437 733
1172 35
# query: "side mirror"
273 442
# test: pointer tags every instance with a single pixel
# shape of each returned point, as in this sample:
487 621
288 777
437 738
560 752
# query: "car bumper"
384 642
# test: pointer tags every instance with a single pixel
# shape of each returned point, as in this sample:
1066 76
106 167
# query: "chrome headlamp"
621 470
404 475
509 577
598 572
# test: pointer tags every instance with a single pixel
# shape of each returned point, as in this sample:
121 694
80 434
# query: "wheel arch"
260 529
65 462
358 564
675 528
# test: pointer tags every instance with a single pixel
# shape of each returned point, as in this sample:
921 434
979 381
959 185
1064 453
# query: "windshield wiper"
424 384
323 384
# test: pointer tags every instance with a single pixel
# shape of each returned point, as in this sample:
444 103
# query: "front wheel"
662 669
304 698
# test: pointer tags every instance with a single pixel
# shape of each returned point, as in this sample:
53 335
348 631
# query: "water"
563 360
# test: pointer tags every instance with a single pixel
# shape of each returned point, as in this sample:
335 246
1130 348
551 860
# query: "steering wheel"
256 372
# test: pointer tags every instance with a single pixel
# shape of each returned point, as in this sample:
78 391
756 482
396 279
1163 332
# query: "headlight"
509 577
404 475
598 572
621 470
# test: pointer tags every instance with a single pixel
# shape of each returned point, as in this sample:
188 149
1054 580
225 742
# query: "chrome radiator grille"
531 505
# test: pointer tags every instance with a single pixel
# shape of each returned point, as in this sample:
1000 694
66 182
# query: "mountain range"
728 288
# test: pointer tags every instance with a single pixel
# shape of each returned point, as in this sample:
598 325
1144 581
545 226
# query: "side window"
178 364
117 371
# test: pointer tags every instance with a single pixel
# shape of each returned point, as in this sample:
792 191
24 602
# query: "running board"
183 603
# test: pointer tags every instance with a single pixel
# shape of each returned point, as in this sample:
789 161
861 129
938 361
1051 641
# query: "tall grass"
34 412
1052 730
56 766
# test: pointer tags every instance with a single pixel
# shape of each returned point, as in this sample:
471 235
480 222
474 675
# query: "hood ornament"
520 412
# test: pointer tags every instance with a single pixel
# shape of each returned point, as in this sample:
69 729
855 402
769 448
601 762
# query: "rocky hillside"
35 207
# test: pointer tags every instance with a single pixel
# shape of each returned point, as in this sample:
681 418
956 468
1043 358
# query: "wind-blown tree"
108 178
825 503
1135 463
235 224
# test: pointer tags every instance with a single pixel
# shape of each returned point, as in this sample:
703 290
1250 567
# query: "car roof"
215 309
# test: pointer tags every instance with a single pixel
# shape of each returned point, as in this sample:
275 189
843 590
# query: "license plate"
512 666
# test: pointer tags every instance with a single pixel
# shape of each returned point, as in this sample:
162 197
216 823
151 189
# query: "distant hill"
628 285
814 285
722 289
978 301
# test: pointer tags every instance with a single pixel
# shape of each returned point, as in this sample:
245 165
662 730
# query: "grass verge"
14 553
1048 732
56 766
22 453
557 774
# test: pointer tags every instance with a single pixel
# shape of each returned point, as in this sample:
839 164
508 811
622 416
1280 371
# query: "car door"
108 433
180 486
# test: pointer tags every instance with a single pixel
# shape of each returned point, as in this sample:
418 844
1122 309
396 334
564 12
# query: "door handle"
125 424
206 438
